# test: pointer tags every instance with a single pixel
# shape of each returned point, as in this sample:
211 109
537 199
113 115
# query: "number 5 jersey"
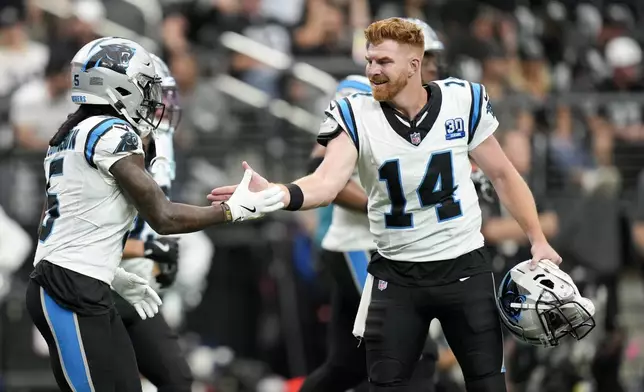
422 203
87 216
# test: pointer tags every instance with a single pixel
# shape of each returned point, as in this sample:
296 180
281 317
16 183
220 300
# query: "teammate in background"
96 182
433 64
412 146
345 253
156 258
15 247
346 250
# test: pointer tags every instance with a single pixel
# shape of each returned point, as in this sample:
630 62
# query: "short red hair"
395 29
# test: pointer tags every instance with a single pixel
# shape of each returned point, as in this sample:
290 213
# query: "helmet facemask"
540 307
149 91
152 103
439 59
170 117
559 317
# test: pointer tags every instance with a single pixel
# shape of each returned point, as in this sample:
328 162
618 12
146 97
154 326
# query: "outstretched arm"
317 189
321 187
352 196
163 216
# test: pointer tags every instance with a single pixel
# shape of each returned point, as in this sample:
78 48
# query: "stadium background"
566 81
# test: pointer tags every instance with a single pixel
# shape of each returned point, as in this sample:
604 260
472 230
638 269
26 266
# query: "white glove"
136 291
245 204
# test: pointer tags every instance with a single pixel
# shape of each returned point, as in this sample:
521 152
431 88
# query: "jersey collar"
414 130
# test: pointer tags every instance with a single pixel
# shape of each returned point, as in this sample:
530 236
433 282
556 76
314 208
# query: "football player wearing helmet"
433 66
155 258
96 182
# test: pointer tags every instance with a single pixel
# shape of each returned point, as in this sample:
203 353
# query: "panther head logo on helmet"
113 56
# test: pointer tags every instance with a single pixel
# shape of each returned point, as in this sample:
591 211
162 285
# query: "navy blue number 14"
436 189
52 213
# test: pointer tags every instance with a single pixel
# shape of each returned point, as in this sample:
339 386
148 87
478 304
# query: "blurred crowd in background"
566 81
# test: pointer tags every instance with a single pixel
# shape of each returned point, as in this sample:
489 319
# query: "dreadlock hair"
84 112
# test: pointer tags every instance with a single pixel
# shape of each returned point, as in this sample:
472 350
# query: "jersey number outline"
436 189
52 213
454 81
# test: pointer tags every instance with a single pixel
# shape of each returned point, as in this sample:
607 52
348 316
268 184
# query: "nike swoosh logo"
248 209
164 248
464 279
332 105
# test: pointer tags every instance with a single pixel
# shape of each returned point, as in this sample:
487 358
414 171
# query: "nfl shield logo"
382 285
415 140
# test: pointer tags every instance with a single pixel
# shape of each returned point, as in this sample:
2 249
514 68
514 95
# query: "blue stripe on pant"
64 326
358 260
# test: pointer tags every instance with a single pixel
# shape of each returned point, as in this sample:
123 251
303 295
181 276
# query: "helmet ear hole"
122 91
548 283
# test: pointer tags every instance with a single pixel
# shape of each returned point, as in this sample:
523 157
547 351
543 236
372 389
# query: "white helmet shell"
543 305
121 73
432 43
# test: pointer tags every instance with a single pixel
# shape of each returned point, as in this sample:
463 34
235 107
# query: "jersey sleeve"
338 117
108 142
482 121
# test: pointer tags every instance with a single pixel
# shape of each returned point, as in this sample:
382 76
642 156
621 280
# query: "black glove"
165 252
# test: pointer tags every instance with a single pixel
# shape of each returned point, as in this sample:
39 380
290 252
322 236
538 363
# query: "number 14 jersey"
422 203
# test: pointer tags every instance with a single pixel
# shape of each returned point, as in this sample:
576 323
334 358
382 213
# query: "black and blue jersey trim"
475 109
137 229
349 120
95 134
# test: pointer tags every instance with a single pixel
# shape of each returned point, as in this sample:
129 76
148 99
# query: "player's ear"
414 66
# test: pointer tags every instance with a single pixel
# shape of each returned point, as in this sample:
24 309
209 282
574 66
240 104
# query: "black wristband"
297 197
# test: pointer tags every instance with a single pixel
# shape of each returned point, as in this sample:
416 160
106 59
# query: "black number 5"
47 225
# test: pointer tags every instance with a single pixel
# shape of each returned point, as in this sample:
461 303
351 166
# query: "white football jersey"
349 230
422 203
87 216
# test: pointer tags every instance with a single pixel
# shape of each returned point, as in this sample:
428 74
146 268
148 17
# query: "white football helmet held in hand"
245 204
543 305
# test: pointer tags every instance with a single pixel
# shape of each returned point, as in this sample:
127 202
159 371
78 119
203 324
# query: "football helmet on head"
543 305
172 113
433 46
118 72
